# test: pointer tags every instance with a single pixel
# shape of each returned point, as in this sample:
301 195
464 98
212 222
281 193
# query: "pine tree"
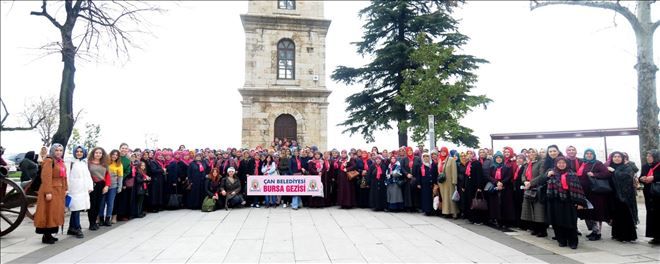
390 36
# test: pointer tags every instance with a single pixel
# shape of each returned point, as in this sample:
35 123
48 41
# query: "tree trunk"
403 137
66 88
647 106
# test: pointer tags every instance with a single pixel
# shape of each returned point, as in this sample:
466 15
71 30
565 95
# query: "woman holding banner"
269 168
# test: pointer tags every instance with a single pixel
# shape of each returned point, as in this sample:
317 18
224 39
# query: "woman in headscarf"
377 188
346 187
445 170
408 187
533 206
564 198
156 170
393 182
139 172
328 178
624 208
173 184
571 157
50 201
183 179
500 201
472 183
196 176
80 185
518 190
425 178
588 168
364 164
510 158
316 167
651 175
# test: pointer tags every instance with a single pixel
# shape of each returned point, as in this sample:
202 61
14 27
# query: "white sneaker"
257 206
284 205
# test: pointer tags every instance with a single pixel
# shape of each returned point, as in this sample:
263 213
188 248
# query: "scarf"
60 163
410 157
298 163
652 169
379 171
528 171
568 190
256 167
342 167
201 167
327 165
319 166
564 181
515 175
498 174
468 169
580 171
365 163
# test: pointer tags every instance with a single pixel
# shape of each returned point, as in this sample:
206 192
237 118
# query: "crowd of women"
531 190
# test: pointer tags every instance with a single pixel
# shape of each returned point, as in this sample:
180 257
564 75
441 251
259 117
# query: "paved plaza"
278 235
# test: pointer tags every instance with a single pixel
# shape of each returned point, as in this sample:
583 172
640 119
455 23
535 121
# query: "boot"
94 227
107 221
48 239
114 219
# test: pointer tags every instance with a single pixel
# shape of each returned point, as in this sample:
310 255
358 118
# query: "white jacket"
80 184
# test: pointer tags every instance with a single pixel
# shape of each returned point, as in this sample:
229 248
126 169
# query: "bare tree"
103 25
32 118
644 28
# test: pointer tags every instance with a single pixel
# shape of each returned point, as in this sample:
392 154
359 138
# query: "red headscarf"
409 154
442 159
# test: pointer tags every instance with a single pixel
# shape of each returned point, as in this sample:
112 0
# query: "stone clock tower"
284 94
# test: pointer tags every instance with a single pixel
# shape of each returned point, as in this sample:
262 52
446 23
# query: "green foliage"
92 134
390 35
74 141
440 86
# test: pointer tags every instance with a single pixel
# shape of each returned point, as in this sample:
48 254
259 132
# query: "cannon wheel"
13 205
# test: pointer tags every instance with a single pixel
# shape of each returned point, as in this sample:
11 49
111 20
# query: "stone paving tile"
307 235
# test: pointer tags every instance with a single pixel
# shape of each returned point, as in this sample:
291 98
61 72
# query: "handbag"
490 187
442 177
208 204
456 197
352 174
363 183
479 203
655 189
531 194
600 185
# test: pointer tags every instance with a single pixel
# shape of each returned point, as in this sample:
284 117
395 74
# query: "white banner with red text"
285 185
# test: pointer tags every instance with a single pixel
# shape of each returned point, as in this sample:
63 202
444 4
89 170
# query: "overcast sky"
556 68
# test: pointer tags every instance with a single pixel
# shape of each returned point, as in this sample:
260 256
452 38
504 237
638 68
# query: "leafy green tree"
390 36
74 141
92 135
440 86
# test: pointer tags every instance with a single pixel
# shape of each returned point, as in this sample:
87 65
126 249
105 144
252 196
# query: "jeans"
295 202
270 200
74 220
108 203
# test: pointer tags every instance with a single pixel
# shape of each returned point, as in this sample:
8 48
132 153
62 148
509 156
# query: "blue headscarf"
83 150
454 154
495 164
584 157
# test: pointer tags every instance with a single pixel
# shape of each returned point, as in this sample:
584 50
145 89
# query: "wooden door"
286 127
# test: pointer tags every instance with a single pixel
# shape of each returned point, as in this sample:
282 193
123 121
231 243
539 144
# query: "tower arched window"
286 59
286 4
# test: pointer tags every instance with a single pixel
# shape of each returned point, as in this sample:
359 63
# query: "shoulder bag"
352 174
208 204
600 185
479 203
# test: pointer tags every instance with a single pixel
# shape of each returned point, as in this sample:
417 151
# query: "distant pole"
431 132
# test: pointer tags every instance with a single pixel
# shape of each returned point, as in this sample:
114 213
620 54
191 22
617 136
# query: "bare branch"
45 13
615 6
655 25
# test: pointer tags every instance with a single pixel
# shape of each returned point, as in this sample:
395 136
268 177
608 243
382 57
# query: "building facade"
284 95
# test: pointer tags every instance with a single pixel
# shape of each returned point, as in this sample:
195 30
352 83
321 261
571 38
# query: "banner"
286 185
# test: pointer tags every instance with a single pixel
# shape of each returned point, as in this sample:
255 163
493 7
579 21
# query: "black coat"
426 183
377 188
196 179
